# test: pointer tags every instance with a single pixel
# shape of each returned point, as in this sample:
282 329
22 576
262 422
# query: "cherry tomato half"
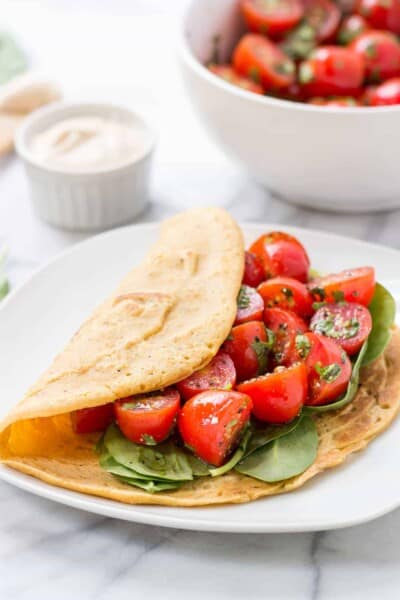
348 324
288 294
211 423
285 325
385 94
250 305
382 14
227 73
247 345
279 396
219 374
91 420
332 71
351 27
324 17
254 272
328 366
264 62
271 17
340 102
148 419
282 255
352 285
380 51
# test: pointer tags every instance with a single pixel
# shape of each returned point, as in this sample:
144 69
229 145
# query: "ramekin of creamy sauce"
87 164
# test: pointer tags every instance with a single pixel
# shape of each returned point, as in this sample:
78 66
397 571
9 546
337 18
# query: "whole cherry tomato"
220 373
250 305
271 17
285 325
148 419
380 51
385 94
382 14
279 396
351 27
282 255
91 420
254 272
248 346
288 294
328 366
352 285
211 423
332 71
264 62
228 73
348 324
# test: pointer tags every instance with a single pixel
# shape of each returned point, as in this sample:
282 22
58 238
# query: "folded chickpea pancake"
166 321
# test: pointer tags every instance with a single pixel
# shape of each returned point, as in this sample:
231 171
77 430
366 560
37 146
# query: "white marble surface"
123 50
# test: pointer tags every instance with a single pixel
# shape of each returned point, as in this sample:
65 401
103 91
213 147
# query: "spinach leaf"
383 312
4 285
164 462
352 387
12 59
235 458
264 434
199 467
285 456
151 486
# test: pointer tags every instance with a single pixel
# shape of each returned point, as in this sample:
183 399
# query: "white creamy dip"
89 143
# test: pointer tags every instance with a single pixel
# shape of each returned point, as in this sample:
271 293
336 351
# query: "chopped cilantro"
262 350
243 299
329 373
303 345
318 292
338 296
149 440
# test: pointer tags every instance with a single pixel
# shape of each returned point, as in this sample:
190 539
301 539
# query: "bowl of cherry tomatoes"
304 93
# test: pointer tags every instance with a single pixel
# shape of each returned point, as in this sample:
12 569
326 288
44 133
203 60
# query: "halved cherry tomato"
332 71
229 74
272 17
352 285
91 420
254 272
287 293
368 94
328 366
324 17
285 325
385 94
219 374
382 14
340 102
351 27
348 324
282 255
264 62
279 396
380 51
148 419
211 423
250 305
247 345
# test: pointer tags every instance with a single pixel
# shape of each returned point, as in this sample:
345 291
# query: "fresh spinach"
284 457
264 434
235 458
383 312
12 59
4 285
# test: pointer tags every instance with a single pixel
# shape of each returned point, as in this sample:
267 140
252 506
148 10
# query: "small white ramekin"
90 200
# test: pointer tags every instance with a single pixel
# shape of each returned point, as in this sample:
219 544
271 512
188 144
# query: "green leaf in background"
12 59
264 434
4 285
383 312
285 456
352 387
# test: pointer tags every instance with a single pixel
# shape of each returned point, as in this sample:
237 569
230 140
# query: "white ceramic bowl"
90 200
341 159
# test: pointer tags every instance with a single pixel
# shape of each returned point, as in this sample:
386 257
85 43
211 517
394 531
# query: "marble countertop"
50 551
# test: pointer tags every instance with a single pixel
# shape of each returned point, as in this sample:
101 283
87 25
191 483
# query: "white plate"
38 319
